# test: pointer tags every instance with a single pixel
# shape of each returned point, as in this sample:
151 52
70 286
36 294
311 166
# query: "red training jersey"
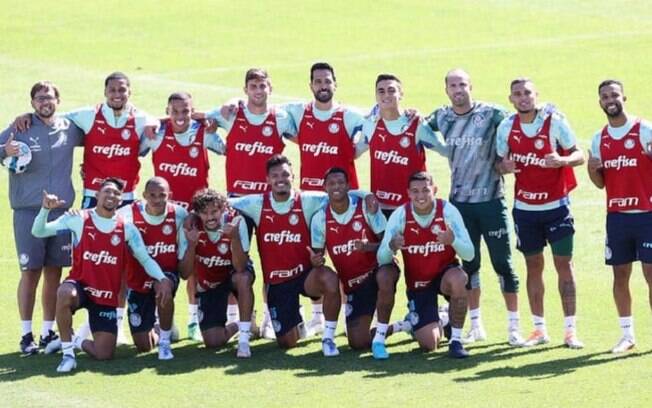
213 260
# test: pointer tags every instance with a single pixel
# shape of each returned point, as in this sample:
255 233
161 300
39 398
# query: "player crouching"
217 253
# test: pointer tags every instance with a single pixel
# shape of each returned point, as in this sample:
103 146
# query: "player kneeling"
100 238
217 253
430 233
351 232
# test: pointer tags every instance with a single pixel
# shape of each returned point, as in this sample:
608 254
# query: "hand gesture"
397 242
594 163
11 147
359 244
553 160
149 131
51 201
231 229
316 258
192 234
372 204
446 237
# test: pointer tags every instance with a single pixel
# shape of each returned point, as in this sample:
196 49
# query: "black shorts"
422 303
283 303
535 228
212 305
141 307
100 317
362 301
629 238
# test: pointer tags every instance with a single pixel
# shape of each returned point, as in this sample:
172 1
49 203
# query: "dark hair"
206 197
277 160
157 181
116 76
519 80
256 73
387 77
179 96
420 176
321 65
41 85
336 170
120 184
608 82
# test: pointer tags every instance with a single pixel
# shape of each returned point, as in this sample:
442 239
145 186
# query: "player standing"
529 144
51 140
430 234
621 163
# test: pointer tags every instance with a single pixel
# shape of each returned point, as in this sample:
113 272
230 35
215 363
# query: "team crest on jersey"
194 152
223 248
167 229
357 226
126 134
135 320
115 240
333 128
436 229
629 144
404 142
538 144
294 219
267 131
23 259
479 120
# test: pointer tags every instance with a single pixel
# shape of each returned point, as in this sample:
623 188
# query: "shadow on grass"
307 361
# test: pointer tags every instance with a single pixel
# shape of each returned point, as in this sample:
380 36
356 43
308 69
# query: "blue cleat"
456 350
379 351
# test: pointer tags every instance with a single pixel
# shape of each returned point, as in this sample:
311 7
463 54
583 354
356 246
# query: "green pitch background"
204 47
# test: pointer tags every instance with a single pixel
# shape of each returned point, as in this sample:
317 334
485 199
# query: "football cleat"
27 345
44 341
53 346
515 339
329 348
456 350
244 351
67 364
165 351
194 333
379 351
266 328
316 325
474 334
537 337
626 343
572 342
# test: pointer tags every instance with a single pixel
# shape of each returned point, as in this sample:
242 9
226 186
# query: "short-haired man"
100 240
621 163
477 190
540 149
51 140
160 224
351 235
396 144
216 252
430 234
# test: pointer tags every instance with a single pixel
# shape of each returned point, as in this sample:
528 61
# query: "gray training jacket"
51 166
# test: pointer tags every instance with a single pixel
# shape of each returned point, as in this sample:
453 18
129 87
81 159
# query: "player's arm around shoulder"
564 135
285 124
236 231
250 205
461 239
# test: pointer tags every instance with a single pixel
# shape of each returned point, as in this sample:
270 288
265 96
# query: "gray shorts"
35 253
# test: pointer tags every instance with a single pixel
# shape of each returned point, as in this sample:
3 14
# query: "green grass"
205 47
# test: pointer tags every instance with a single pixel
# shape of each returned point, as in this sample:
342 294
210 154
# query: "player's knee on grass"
428 337
214 337
142 341
358 334
288 340
66 295
103 345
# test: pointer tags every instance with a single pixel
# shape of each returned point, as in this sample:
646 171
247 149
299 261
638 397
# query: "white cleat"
244 351
474 334
626 343
329 348
515 339
572 342
175 335
267 329
537 337
165 351
53 346
121 338
67 364
315 326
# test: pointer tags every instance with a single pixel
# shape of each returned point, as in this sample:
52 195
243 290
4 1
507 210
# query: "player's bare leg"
166 318
102 347
216 337
567 292
453 285
67 301
322 281
623 299
647 272
535 292
386 278
26 295
120 311
428 336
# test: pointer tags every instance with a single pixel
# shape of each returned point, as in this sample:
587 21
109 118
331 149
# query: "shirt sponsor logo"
464 141
430 247
312 182
254 148
529 159
283 237
320 148
386 195
102 294
357 280
620 162
344 249
622 202
286 273
112 150
250 185
179 169
161 248
529 195
390 157
102 258
213 261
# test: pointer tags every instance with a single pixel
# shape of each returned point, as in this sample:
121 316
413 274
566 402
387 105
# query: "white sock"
476 320
456 334
513 321
317 311
539 323
164 336
627 326
46 327
400 326
84 330
381 332
76 342
192 313
232 313
329 329
245 332
570 323
26 326
67 348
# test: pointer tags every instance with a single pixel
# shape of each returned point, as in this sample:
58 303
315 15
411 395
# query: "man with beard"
100 240
477 190
216 252
540 149
179 155
282 217
160 223
396 144
51 141
351 234
430 234
621 163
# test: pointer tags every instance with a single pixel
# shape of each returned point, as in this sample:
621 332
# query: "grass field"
204 47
